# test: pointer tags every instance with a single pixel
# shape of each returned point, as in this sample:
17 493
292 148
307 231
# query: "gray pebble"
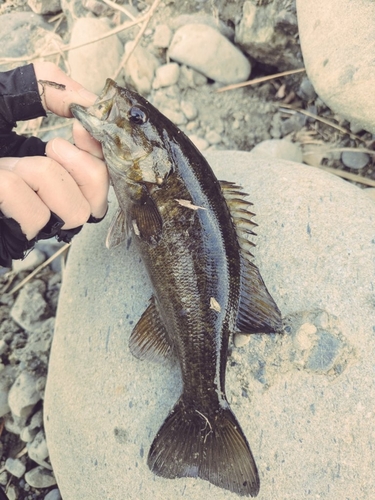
213 137
3 478
7 376
278 148
40 478
162 36
37 449
306 90
53 495
15 467
189 109
166 75
30 308
23 395
351 159
12 493
186 48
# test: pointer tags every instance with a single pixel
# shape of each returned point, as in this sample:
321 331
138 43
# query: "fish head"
132 145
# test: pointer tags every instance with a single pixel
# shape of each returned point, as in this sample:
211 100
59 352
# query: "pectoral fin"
149 339
117 230
146 220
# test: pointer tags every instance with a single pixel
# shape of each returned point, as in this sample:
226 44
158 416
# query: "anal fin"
149 338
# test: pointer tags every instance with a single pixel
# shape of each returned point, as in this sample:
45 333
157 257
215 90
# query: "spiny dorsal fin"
257 311
149 339
239 208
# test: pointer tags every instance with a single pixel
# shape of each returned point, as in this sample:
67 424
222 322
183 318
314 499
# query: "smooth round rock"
354 159
206 50
304 399
92 64
281 149
337 41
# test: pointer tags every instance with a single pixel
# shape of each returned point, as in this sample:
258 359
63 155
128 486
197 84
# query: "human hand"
71 180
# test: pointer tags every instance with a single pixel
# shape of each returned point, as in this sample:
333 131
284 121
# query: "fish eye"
137 116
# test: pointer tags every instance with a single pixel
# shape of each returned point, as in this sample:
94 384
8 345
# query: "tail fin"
212 447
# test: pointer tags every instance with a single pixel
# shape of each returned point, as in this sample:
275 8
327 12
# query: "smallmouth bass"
190 230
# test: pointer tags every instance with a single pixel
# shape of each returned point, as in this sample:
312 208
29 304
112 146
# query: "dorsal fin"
149 339
257 312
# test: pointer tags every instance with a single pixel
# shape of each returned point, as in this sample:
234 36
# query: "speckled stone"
304 399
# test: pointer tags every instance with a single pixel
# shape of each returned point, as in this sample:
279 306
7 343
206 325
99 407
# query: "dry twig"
39 268
127 55
261 79
348 175
322 120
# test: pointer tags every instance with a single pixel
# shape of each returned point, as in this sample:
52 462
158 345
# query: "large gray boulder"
305 399
337 40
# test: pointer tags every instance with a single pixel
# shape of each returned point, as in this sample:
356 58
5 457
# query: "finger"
55 187
21 203
57 99
89 172
83 140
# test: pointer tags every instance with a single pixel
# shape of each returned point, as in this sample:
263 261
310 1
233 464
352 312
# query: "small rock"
30 307
199 142
293 124
166 75
338 52
240 339
102 56
278 148
352 159
12 493
40 478
306 90
30 262
44 6
18 30
37 449
15 467
36 421
268 33
7 376
23 395
27 434
201 47
213 137
162 36
53 495
140 68
3 478
189 109
14 424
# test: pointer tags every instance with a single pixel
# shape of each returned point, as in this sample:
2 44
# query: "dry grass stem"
115 6
261 79
322 120
126 56
39 268
348 175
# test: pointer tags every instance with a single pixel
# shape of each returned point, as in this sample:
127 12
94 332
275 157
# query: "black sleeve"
19 100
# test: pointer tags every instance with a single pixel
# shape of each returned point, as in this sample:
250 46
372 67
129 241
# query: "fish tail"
192 443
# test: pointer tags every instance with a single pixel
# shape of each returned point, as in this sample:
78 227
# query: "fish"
191 232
